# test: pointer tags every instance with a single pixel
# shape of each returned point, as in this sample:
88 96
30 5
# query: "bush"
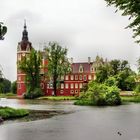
33 94
100 94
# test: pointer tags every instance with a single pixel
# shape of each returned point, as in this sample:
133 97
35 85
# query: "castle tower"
24 47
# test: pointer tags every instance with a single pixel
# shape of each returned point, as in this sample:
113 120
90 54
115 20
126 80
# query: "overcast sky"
85 27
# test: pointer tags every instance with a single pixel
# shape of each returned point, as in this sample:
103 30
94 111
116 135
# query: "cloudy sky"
85 27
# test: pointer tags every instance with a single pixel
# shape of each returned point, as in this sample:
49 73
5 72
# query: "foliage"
137 90
30 65
32 94
58 64
5 85
3 31
7 112
14 87
100 94
130 8
138 65
126 80
111 81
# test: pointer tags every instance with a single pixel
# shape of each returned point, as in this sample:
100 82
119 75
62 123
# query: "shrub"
100 94
33 94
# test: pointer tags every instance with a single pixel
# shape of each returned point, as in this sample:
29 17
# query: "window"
81 85
48 86
72 85
72 92
76 85
66 86
19 86
19 78
62 77
92 69
72 77
62 86
76 77
66 77
51 85
89 77
80 68
85 77
80 77
76 91
42 85
61 91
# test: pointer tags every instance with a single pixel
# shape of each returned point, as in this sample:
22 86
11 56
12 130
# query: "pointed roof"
25 41
25 33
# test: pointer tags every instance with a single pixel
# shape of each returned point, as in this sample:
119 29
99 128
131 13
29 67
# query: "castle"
71 83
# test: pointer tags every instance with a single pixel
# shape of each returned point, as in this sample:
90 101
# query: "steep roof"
85 65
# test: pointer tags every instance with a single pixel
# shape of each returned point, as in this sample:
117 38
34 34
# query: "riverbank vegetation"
8 112
57 98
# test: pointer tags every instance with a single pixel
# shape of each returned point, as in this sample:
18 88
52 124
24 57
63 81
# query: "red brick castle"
70 84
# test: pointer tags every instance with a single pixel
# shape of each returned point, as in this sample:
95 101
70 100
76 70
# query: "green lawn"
8 112
57 98
8 95
135 99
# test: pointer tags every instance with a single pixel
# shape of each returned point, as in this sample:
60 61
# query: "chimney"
71 60
89 59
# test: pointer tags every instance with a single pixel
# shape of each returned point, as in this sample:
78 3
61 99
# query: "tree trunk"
54 85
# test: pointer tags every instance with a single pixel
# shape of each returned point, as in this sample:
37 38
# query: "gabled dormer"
81 69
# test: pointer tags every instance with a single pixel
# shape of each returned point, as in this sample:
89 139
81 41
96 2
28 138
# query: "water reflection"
86 123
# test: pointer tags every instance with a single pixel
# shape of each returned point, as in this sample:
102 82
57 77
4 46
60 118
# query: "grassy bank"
57 98
135 99
8 95
8 113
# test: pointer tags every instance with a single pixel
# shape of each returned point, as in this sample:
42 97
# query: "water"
86 123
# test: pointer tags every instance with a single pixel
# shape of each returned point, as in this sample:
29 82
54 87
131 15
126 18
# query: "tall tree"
138 65
3 31
30 65
130 8
58 64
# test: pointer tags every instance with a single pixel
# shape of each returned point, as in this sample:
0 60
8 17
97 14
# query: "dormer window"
92 69
81 69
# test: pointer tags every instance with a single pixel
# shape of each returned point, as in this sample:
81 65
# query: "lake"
85 123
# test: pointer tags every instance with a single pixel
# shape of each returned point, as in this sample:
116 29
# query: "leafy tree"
3 31
5 85
130 8
58 64
138 65
14 87
115 66
30 65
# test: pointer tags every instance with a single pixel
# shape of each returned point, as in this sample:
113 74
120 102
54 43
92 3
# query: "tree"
138 65
14 87
3 31
30 65
5 85
130 8
58 64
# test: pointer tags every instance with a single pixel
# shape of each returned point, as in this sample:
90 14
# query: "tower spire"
25 33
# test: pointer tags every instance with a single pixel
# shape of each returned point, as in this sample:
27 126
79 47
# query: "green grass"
57 98
84 103
8 95
7 112
135 99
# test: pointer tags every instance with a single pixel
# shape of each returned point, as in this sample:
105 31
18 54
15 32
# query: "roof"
85 65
